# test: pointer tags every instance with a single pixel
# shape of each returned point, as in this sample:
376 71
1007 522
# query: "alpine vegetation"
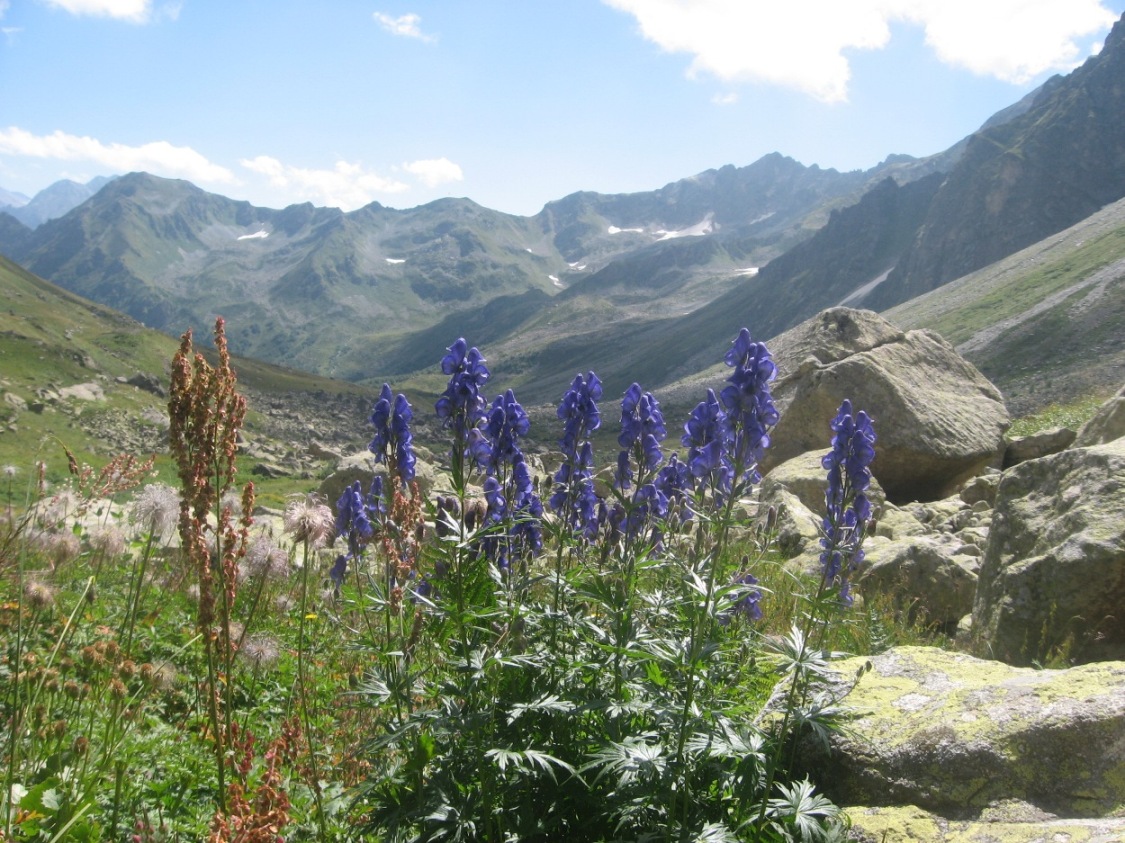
479 664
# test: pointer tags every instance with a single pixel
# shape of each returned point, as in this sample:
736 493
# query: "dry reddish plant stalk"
205 414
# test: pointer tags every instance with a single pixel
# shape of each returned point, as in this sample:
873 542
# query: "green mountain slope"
1021 181
1044 324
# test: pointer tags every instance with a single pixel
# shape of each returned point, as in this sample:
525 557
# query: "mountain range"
645 286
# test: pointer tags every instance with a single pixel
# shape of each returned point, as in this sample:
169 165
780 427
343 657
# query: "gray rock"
1107 423
939 421
981 489
926 579
361 466
149 383
83 392
1036 445
1052 582
1010 822
957 736
15 402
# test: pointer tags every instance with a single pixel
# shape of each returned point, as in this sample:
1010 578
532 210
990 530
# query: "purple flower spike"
461 405
846 502
749 405
393 442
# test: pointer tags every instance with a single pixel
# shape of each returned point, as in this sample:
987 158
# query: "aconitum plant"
848 508
749 406
574 498
462 405
504 425
642 431
393 443
707 436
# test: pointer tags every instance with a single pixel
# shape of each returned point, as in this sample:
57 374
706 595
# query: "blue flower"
461 404
747 600
393 442
749 405
848 509
351 515
579 412
642 431
707 437
505 424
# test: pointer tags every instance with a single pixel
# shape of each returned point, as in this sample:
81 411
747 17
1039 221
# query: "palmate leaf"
529 760
800 813
637 757
550 702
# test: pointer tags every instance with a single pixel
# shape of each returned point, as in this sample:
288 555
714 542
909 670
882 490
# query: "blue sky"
511 103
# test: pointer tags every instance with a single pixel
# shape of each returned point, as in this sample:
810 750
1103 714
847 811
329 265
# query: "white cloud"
159 157
728 98
434 171
405 26
1012 40
802 44
136 11
347 186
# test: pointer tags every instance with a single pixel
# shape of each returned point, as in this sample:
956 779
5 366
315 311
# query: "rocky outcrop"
962 738
939 421
1052 581
1036 445
1107 423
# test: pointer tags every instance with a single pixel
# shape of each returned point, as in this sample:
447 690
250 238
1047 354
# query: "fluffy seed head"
308 519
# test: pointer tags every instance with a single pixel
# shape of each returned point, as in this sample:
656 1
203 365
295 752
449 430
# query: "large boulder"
1009 822
1107 423
1052 581
795 491
361 466
938 419
958 736
927 580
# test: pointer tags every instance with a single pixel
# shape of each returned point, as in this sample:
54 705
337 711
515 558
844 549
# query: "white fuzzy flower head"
265 558
156 509
107 540
308 519
260 650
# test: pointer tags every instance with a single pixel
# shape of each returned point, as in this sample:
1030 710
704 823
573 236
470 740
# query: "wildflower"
284 603
574 497
579 411
642 431
308 519
393 442
266 559
260 650
108 540
846 502
39 595
461 405
707 437
505 423
9 471
749 405
747 598
62 547
352 517
156 508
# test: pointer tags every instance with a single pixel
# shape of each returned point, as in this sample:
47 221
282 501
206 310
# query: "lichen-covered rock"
939 421
954 735
909 824
1036 445
1107 423
928 580
795 490
1052 581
